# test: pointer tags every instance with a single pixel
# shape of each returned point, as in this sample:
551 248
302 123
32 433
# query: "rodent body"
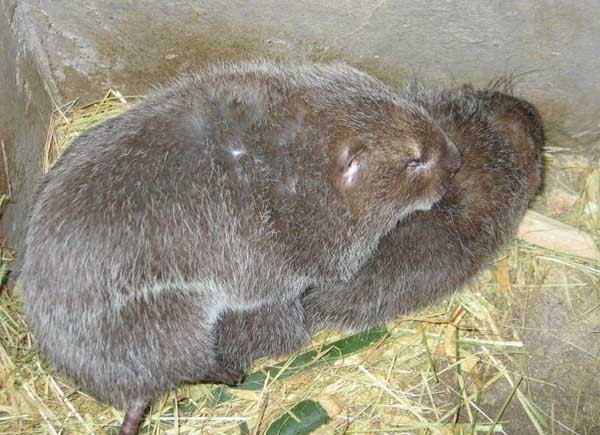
431 253
230 190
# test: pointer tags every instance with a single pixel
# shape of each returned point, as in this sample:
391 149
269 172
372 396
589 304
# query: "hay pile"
454 368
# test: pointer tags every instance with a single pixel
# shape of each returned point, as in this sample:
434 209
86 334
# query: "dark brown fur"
431 253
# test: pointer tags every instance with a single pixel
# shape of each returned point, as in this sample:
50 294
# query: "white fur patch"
351 173
237 153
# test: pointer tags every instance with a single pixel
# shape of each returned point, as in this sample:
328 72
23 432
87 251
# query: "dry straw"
435 372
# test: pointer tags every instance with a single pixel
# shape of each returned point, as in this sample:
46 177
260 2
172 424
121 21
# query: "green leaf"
187 406
244 429
302 419
327 352
218 395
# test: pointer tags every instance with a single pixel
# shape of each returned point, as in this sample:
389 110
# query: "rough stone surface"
78 49
25 110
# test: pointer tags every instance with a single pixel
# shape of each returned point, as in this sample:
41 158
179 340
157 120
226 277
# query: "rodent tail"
133 417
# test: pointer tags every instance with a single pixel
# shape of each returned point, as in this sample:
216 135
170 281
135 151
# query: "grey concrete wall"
78 49
25 108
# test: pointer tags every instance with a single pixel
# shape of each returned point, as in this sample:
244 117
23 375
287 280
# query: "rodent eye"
414 164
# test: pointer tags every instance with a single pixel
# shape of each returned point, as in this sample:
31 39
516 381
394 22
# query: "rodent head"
523 125
395 167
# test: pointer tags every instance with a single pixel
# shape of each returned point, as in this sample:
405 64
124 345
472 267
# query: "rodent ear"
352 164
